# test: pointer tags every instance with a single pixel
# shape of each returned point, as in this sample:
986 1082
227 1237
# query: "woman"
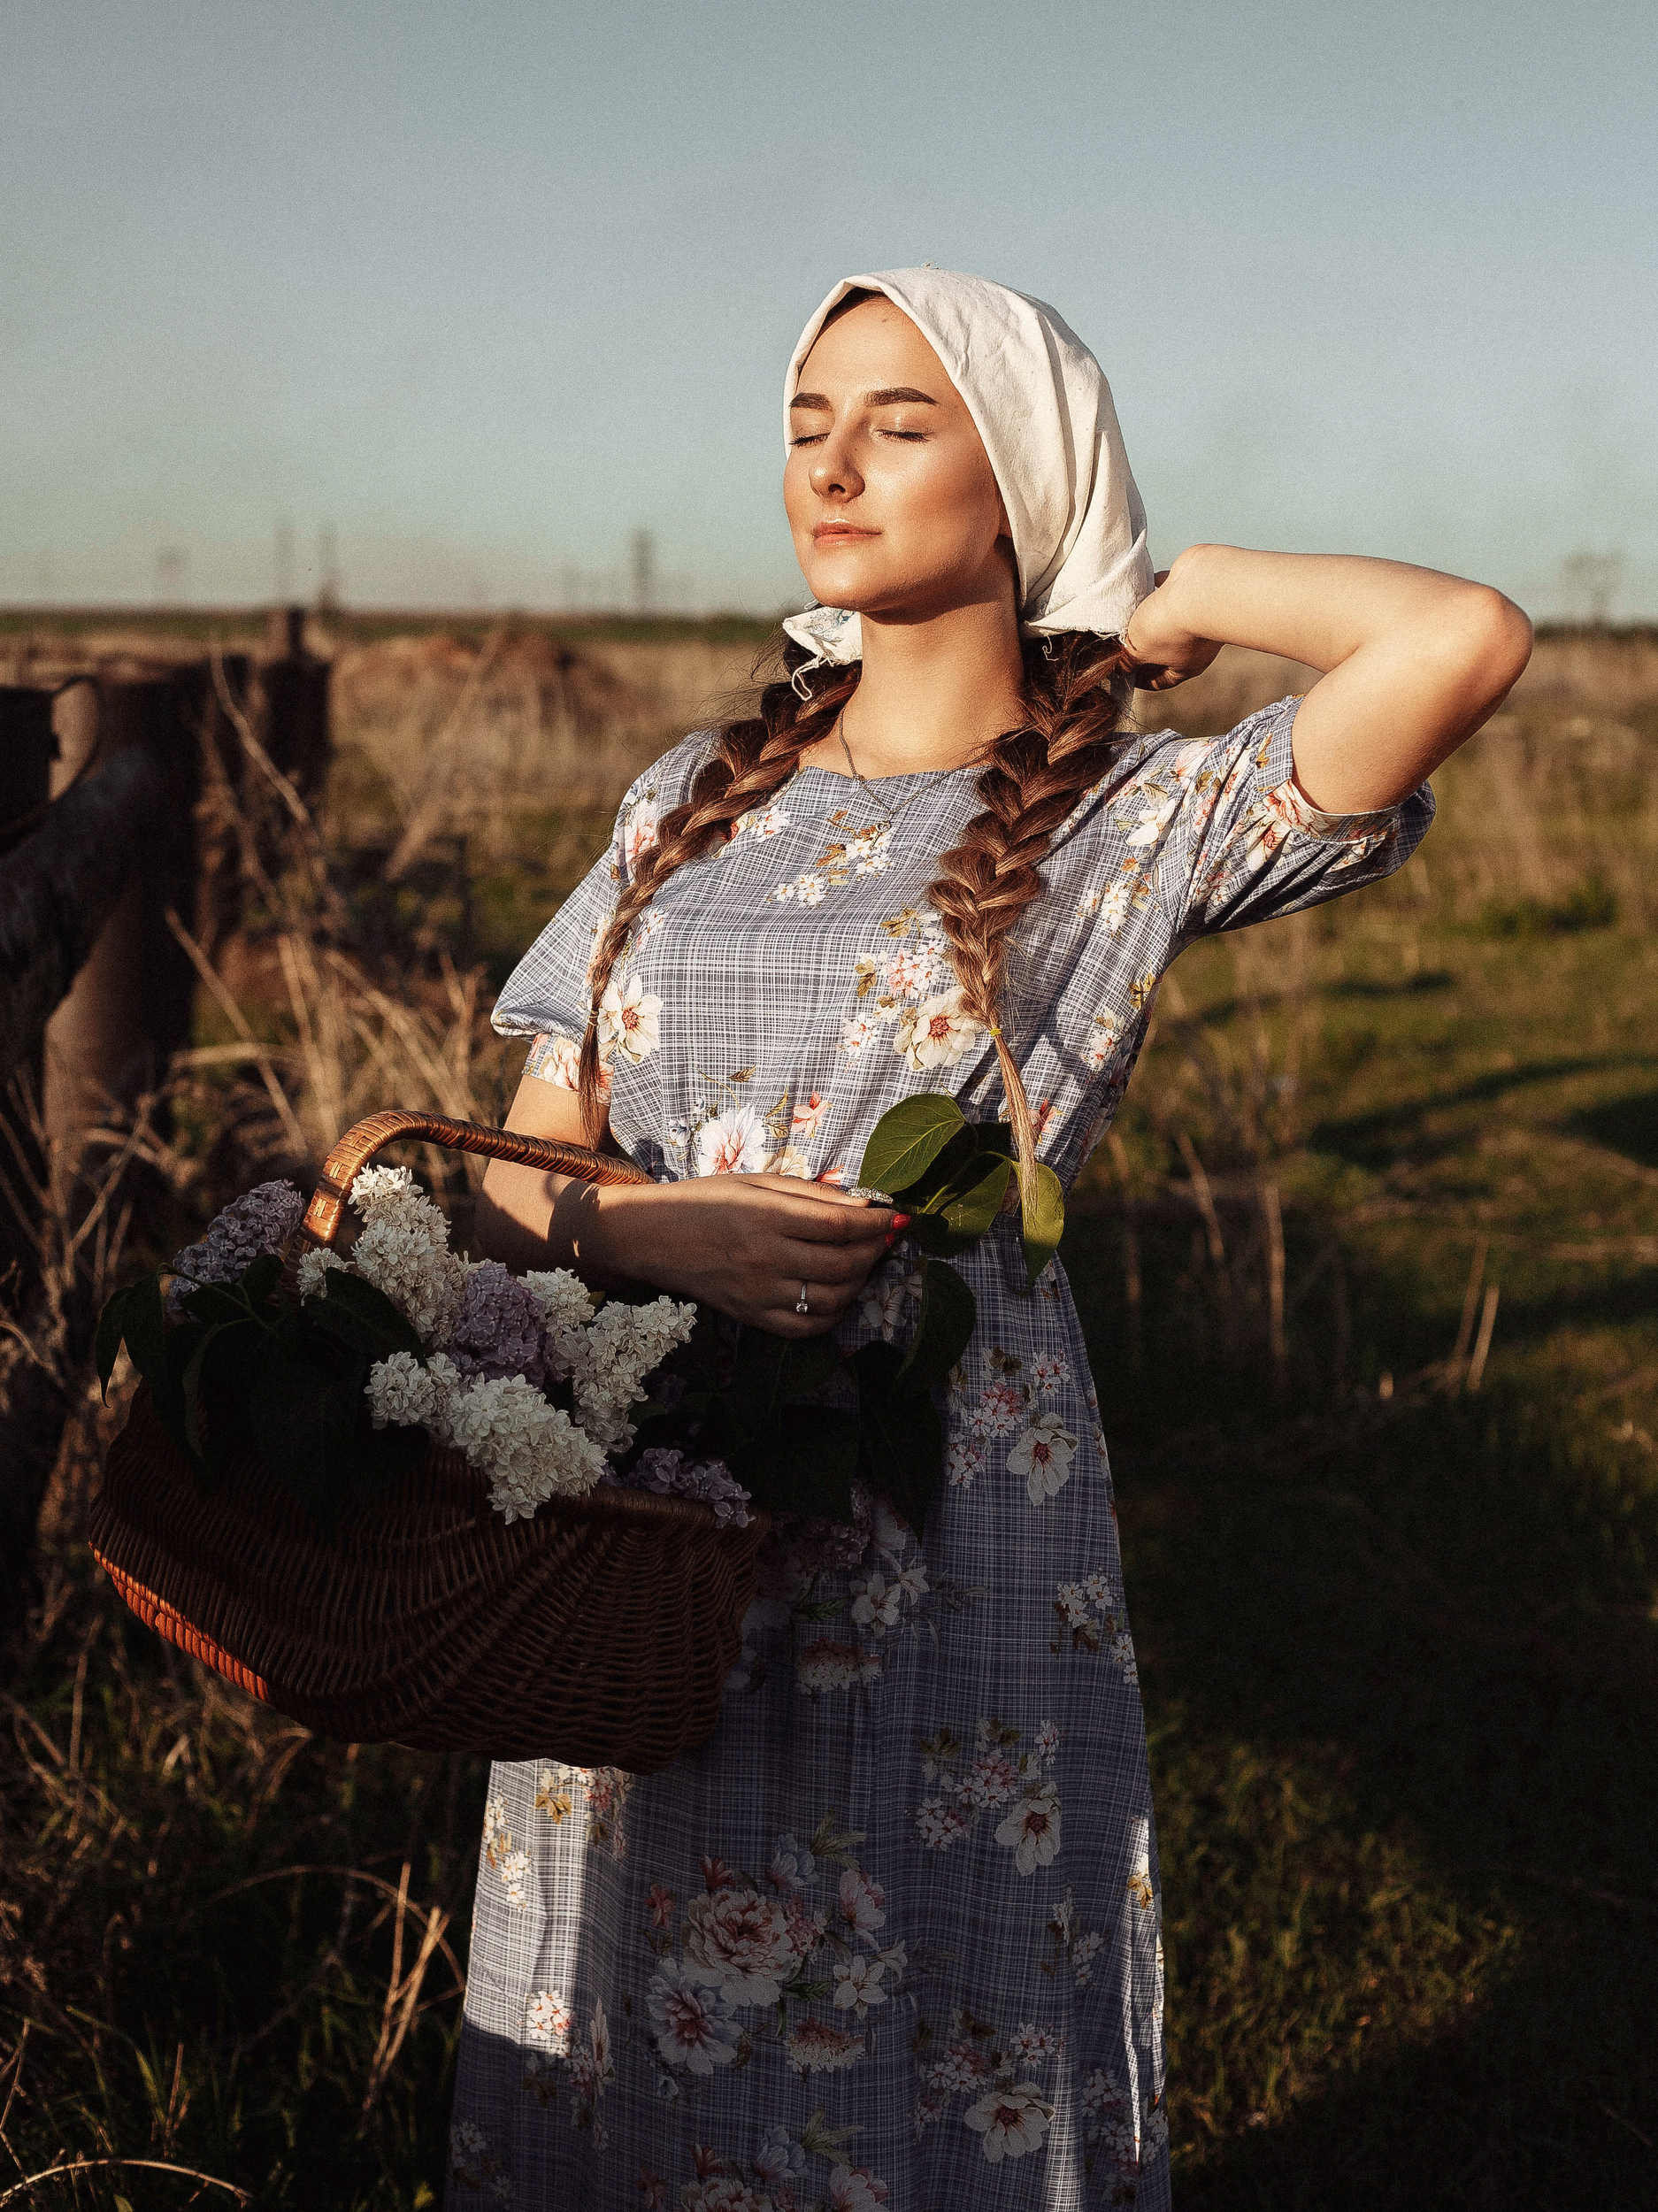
892 1936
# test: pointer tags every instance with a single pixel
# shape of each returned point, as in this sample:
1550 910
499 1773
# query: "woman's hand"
742 1243
1162 648
748 1245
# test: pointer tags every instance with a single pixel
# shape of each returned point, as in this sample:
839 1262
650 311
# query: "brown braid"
1033 778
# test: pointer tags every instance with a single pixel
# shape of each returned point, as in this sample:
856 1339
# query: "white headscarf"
1043 408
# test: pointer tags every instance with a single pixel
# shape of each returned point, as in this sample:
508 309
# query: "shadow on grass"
1399 1664
1629 1126
1378 1138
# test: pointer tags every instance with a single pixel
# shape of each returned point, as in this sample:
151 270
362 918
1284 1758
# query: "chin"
851 583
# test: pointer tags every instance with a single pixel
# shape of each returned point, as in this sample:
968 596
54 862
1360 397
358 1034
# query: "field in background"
1390 1539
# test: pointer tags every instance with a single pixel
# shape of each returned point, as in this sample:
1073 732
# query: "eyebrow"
890 396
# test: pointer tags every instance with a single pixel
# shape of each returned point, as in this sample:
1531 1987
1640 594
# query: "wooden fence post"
28 745
296 685
130 1008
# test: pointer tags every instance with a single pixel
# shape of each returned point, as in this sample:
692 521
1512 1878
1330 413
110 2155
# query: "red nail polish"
890 1238
899 1221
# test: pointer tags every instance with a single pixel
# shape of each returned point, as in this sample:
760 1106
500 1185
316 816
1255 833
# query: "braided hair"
1033 777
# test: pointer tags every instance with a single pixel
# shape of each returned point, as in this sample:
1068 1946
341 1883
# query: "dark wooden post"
130 1004
28 746
296 685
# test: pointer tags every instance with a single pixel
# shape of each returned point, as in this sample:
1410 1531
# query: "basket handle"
361 1142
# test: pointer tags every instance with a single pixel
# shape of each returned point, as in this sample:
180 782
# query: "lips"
840 534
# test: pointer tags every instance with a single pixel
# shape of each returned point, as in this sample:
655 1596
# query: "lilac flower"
499 1330
669 1473
262 1220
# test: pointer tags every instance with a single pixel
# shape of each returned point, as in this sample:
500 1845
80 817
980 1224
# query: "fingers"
800 1186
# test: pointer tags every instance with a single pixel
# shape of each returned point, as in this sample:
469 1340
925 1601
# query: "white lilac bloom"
529 1451
937 1032
1012 2121
399 1392
314 1267
563 1298
403 1251
938 1823
609 1361
963 1463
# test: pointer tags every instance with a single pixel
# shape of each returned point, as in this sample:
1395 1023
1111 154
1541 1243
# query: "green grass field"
1397 1634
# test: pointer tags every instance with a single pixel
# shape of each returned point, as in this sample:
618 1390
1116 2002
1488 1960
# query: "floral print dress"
891 1937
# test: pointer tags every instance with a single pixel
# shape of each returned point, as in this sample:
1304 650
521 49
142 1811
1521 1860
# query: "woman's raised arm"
1413 662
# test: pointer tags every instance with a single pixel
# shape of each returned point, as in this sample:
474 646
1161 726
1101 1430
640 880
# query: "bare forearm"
529 1219
1413 661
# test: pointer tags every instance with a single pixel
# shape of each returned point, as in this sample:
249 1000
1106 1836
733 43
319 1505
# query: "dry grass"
1394 1592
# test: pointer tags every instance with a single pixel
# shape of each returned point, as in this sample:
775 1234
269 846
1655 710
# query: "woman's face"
889 491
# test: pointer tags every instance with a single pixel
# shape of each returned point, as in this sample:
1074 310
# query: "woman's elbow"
1493 641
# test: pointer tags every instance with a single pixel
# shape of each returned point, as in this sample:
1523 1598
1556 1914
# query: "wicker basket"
600 1632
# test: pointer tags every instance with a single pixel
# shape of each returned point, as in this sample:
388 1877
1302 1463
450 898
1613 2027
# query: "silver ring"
801 1305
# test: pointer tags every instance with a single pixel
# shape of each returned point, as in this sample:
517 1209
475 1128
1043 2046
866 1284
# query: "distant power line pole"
173 569
287 562
329 584
1591 582
642 548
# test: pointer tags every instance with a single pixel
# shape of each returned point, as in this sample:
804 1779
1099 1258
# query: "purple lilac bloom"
670 1473
500 1330
262 1220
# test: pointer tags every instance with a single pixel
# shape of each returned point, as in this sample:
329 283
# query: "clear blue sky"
485 285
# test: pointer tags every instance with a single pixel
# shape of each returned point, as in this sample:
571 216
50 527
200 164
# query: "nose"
834 474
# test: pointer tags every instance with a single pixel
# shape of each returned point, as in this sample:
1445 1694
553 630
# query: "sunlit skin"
894 510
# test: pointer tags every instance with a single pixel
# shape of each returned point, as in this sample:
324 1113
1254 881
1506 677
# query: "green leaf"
215 1303
963 1209
907 1139
942 1332
943 1173
971 1212
260 1278
106 1347
143 1325
353 1310
304 1406
224 1381
1044 1224
903 1438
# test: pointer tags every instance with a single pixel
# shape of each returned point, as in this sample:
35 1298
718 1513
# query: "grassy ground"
1397 1634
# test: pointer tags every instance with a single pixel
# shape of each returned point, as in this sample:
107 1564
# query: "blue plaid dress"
891 1936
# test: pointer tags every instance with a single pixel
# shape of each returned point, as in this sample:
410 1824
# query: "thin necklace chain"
873 790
